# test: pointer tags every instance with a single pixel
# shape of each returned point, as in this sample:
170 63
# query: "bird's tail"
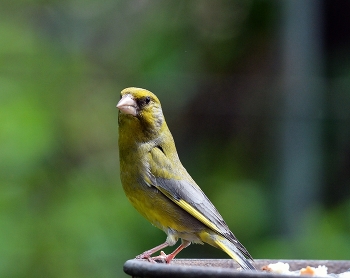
229 248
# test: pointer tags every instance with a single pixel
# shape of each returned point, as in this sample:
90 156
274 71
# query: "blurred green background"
256 94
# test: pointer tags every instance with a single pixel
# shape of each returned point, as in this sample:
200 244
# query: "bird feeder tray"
192 268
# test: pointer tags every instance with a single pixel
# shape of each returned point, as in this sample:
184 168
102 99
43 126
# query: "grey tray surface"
191 268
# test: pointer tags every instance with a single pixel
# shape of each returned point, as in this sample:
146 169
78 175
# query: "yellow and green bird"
160 188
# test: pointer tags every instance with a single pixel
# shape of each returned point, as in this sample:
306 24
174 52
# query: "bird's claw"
162 258
144 255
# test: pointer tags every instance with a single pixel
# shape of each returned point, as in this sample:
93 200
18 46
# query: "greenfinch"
159 187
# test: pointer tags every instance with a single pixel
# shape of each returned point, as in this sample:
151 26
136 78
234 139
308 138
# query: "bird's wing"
179 187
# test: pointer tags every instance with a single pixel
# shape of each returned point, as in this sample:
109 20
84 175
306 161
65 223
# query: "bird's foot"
145 255
162 258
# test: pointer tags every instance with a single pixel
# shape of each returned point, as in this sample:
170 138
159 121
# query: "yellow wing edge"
191 210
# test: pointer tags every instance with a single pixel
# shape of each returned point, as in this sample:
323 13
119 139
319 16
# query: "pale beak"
127 105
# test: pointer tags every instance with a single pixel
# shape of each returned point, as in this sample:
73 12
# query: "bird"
160 188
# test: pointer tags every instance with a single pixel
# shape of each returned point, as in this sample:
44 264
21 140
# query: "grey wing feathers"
183 190
187 190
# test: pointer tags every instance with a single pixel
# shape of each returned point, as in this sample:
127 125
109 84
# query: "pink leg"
168 258
147 254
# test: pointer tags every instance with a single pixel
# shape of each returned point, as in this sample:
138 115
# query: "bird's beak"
127 105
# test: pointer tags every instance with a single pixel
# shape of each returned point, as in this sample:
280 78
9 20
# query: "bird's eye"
143 101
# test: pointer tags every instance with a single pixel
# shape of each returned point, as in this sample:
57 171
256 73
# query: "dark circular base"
191 268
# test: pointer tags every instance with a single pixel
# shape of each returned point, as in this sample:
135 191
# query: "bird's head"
140 107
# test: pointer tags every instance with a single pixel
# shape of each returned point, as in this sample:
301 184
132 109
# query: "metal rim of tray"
191 268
